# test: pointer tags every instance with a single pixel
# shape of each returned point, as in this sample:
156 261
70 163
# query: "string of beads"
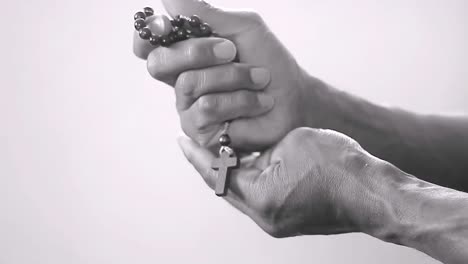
182 28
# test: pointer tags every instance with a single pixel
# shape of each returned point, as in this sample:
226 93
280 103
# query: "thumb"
223 22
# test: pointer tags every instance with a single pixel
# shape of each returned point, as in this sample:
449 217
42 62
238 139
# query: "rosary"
184 28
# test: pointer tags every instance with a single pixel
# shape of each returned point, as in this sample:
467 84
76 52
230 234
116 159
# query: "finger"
192 84
214 109
165 64
159 25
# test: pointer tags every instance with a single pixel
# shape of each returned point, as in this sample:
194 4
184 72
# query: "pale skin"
308 180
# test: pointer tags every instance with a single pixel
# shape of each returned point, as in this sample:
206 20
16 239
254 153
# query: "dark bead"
155 40
173 37
165 41
148 11
182 34
145 33
205 30
179 21
194 21
140 23
139 15
224 140
195 32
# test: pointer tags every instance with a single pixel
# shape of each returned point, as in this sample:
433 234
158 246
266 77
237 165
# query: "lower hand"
311 182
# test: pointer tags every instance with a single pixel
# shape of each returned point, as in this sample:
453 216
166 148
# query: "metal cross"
223 164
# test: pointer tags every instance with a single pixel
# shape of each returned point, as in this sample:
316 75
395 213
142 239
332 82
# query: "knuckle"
156 63
299 134
196 129
207 104
200 124
337 138
232 74
353 144
246 100
193 54
201 82
254 17
185 83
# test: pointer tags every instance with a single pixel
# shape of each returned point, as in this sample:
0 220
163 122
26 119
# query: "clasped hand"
302 182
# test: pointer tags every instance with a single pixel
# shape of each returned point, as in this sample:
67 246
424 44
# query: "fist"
246 76
312 182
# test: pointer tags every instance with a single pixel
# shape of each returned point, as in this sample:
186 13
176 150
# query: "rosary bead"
145 33
224 140
161 25
205 30
140 23
194 21
165 41
139 15
179 21
155 40
182 34
173 37
196 32
148 11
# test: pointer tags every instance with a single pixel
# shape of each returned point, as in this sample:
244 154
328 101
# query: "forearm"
423 216
432 148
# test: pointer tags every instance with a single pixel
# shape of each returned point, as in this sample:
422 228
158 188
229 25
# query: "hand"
311 182
264 92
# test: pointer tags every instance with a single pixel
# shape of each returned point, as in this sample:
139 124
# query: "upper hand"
264 92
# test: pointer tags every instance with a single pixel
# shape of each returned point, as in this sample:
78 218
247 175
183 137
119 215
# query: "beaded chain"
182 28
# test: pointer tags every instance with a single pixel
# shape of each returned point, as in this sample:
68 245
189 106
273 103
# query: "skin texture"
432 148
204 100
210 90
323 182
276 188
311 181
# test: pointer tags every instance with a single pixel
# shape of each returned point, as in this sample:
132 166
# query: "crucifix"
223 165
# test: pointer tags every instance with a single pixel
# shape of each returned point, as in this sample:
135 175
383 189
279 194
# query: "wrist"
423 216
321 101
330 108
391 213
377 208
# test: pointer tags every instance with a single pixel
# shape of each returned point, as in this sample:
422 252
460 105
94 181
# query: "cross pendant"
223 165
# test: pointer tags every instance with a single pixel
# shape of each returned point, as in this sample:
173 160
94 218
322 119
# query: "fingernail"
267 101
225 50
260 77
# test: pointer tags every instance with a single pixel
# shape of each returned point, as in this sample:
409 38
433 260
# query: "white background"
90 171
